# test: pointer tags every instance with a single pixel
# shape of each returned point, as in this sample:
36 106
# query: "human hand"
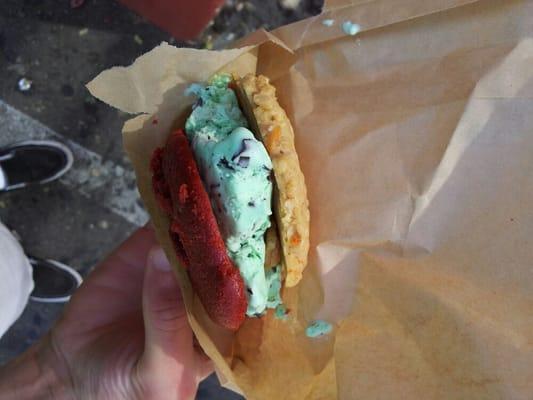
125 333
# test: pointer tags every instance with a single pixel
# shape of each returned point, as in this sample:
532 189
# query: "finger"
168 336
118 279
131 253
199 351
149 225
196 344
204 365
135 249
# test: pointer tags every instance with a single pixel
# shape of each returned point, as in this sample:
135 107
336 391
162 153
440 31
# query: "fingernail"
159 260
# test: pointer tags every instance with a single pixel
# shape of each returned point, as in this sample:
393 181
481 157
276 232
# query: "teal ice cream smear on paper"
235 168
318 328
281 312
273 279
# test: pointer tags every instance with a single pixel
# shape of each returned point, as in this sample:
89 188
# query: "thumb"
168 336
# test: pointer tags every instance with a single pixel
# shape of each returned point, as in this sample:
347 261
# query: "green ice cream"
235 168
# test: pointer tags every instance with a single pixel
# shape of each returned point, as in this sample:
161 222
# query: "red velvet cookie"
199 245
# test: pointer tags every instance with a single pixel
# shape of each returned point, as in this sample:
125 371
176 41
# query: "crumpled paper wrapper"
416 140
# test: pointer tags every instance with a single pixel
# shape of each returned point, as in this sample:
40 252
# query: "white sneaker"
54 282
33 162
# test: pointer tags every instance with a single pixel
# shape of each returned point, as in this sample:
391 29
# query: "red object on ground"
183 19
76 3
195 233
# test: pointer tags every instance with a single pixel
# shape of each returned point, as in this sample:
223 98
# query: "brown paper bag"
416 140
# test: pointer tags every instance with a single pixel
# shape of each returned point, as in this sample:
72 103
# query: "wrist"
33 375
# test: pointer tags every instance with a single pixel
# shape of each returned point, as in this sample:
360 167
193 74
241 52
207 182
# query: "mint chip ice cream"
235 169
